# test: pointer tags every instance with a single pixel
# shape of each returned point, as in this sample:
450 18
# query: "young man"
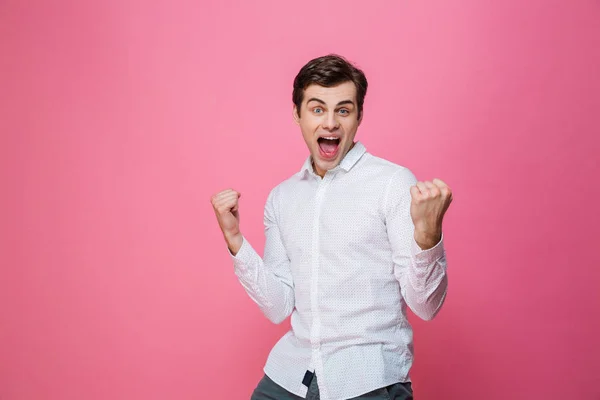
351 240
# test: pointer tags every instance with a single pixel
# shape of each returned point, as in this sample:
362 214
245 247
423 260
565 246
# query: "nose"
330 122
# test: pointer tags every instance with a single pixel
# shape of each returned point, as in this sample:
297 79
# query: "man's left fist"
430 200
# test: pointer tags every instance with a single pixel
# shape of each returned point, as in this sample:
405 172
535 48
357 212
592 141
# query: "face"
328 121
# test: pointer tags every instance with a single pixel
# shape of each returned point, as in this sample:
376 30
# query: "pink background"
119 120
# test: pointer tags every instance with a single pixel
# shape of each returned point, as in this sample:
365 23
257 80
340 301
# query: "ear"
362 114
296 115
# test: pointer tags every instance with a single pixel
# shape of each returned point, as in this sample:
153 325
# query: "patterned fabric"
341 259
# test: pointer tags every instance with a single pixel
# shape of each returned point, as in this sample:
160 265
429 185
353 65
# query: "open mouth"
328 146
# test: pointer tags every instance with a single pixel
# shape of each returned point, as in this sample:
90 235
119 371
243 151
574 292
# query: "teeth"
330 138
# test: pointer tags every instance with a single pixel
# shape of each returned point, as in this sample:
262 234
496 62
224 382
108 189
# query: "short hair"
328 71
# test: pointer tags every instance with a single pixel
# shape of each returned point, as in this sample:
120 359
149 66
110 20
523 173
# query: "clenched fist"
430 200
226 207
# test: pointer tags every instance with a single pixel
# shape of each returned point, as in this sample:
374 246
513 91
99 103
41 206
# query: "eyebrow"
322 102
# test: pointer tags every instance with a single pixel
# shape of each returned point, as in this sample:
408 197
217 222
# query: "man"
351 240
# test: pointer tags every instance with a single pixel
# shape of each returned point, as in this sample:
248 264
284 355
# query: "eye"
317 110
344 111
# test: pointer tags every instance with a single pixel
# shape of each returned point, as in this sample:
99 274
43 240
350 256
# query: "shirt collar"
347 162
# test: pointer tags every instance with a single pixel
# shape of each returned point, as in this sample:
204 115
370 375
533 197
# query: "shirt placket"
315 334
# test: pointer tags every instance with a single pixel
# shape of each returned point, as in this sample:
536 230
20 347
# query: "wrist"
234 242
426 240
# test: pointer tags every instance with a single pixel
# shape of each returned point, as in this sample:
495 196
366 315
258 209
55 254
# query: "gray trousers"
269 390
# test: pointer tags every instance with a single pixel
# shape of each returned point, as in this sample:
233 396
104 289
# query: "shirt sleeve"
421 273
267 281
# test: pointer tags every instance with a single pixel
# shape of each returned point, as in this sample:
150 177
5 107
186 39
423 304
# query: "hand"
430 200
226 207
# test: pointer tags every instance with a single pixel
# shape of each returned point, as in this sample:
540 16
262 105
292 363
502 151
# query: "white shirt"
341 258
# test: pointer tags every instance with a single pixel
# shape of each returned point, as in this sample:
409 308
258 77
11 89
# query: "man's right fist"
226 207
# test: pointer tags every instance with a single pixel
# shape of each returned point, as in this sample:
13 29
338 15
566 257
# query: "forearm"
427 282
272 293
427 300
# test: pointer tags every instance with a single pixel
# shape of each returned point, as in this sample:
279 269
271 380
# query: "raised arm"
267 281
414 212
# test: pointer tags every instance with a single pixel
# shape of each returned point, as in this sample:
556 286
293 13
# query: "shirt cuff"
245 257
429 256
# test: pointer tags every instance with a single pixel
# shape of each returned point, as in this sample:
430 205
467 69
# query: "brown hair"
328 71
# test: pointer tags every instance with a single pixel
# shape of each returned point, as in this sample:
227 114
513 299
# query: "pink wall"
119 119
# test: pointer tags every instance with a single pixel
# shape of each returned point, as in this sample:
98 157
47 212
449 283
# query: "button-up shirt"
341 259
